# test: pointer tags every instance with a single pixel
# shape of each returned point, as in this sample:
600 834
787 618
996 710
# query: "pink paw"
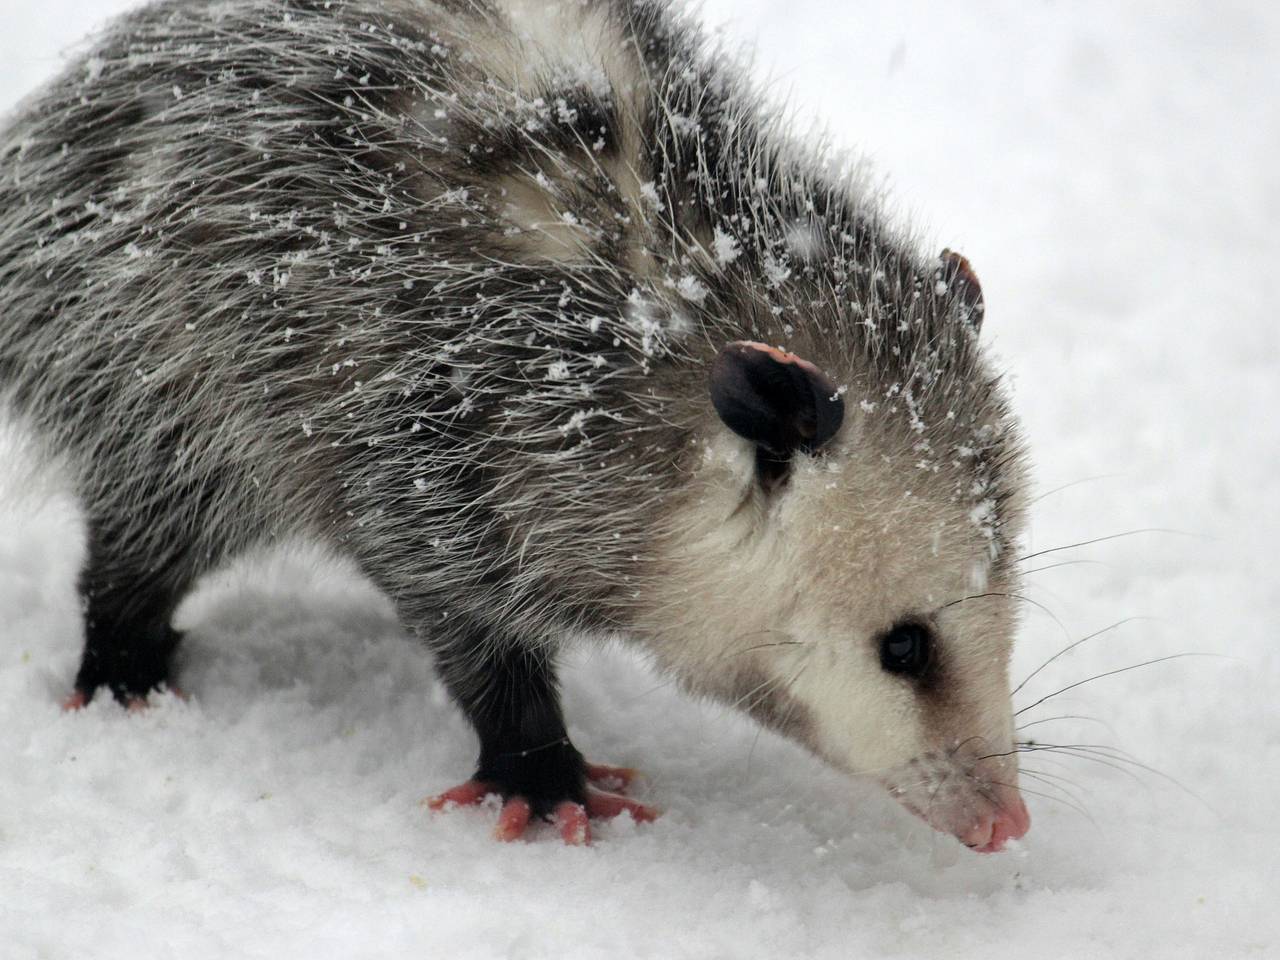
571 819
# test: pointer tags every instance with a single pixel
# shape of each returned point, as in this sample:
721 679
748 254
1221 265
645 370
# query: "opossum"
541 313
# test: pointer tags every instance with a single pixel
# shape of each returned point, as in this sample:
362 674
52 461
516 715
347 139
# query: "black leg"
510 696
129 642
129 658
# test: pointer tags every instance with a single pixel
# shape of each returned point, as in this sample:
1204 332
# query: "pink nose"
1007 822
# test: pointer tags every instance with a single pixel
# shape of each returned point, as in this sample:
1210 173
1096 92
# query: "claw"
611 778
602 806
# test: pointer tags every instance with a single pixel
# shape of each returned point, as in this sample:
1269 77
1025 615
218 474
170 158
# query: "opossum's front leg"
509 694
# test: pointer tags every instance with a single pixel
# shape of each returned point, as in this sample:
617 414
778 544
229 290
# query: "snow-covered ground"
1113 171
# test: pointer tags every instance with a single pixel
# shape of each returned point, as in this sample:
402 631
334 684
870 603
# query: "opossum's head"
843 574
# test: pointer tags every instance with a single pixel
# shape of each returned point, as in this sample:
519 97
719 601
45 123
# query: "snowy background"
1113 172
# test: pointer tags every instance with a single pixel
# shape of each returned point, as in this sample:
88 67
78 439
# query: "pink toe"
605 805
464 795
76 700
571 819
512 820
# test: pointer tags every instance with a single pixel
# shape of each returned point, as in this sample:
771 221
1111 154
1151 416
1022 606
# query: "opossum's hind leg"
509 694
129 641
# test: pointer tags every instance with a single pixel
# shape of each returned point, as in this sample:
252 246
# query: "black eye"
906 650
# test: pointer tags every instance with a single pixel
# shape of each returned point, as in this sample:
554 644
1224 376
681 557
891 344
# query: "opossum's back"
197 206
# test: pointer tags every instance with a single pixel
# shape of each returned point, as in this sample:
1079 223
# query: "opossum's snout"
1008 821
977 803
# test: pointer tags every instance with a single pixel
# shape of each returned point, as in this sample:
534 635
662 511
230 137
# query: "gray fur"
259 279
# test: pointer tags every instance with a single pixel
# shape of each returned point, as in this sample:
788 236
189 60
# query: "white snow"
1111 172
726 247
775 270
692 289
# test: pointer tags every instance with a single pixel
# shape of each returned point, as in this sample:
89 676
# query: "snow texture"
1110 170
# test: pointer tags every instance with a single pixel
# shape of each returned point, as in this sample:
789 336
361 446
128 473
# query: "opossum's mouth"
983 821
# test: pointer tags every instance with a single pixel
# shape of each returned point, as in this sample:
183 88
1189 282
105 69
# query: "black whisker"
962 744
786 690
1112 673
1071 646
763 646
1114 536
1009 596
1066 716
1073 483
1058 781
1046 775
1068 803
1091 751
1064 563
1084 755
1047 757
1013 596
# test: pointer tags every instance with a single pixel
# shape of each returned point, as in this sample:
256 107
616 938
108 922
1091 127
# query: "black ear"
958 277
774 399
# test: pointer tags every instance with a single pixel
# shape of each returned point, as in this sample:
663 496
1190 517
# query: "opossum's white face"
849 601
